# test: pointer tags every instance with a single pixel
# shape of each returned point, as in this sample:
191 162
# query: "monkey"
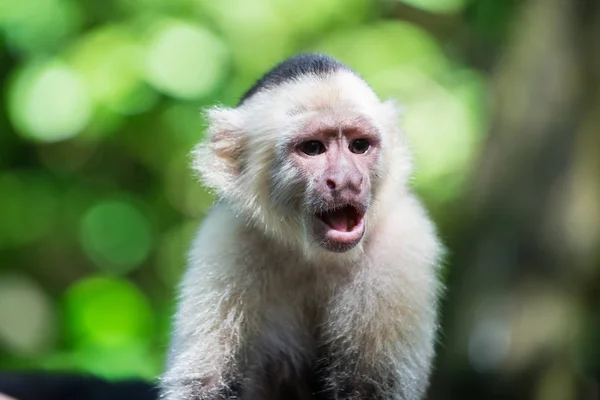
315 273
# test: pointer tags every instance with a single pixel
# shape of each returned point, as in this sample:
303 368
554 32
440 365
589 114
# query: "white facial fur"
236 161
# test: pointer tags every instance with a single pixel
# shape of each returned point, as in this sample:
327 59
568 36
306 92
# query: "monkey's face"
306 161
336 157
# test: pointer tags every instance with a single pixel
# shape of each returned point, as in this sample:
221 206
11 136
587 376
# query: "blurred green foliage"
100 106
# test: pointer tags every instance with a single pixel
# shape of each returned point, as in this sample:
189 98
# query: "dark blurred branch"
529 237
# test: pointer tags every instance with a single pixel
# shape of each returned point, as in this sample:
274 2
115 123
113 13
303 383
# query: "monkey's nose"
344 186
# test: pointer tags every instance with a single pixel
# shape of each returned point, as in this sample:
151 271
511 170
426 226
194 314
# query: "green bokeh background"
101 105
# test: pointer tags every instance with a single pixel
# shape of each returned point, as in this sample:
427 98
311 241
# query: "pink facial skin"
338 155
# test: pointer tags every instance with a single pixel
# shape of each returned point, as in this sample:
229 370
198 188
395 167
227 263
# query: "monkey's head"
306 154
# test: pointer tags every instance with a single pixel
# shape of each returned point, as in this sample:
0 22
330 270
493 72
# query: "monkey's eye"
312 148
360 146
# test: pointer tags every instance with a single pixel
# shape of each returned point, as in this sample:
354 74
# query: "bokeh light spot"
27 316
110 60
185 61
116 235
36 26
445 145
49 103
107 312
386 47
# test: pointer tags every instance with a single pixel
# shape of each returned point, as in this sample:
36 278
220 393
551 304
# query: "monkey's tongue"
343 219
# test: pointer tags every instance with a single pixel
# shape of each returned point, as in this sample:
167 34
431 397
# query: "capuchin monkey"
315 274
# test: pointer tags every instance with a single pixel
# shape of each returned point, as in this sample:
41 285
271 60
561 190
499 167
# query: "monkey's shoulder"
225 243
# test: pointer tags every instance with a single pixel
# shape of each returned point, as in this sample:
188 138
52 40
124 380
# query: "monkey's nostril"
330 184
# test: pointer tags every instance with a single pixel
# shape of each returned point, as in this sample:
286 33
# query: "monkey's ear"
218 158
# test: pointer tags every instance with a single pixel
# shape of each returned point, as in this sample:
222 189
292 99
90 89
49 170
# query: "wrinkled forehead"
340 92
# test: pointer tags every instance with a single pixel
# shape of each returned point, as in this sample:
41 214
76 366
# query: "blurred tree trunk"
524 283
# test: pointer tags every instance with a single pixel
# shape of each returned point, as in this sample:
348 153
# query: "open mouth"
344 219
343 226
